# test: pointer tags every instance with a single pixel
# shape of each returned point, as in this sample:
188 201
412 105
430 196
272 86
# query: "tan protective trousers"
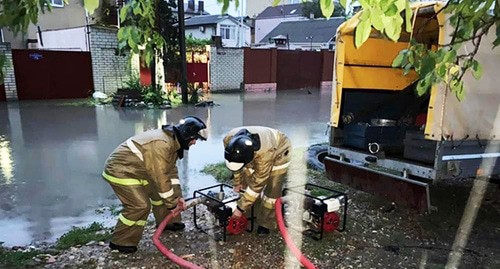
137 201
264 206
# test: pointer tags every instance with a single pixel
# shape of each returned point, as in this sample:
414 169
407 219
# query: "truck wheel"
315 156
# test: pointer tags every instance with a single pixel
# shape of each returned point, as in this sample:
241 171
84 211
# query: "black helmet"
188 129
240 149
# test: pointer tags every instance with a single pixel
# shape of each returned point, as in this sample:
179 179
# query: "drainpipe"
87 30
40 35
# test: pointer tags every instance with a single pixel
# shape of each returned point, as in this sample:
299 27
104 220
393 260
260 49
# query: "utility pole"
182 49
152 64
241 32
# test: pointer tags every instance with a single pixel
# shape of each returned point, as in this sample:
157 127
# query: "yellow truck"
388 141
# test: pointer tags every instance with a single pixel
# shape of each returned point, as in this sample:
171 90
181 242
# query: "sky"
213 7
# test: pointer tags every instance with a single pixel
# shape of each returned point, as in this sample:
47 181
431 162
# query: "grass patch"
80 236
16 259
219 171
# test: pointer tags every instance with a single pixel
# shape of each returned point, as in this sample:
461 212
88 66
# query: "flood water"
52 154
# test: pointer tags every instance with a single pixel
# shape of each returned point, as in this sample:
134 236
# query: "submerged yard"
57 212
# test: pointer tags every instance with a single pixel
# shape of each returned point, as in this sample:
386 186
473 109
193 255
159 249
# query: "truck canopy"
368 68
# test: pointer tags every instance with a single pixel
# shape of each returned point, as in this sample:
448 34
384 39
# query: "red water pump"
324 209
221 204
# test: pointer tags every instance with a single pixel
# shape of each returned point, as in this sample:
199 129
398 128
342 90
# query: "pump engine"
321 213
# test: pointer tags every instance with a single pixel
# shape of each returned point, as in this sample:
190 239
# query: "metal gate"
42 74
2 93
298 69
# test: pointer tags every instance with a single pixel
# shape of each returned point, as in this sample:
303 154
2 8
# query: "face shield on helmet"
190 128
240 150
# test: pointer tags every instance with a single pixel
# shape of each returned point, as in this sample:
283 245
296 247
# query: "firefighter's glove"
181 204
237 213
237 188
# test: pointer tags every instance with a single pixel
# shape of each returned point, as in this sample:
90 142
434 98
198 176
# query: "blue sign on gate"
35 56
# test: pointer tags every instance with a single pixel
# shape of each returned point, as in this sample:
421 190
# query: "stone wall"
226 68
8 69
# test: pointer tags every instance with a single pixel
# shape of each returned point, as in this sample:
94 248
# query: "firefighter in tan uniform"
259 158
143 174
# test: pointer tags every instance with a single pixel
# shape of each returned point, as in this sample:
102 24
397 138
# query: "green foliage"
193 43
17 16
193 94
16 259
316 192
471 20
139 28
80 236
91 5
313 7
219 171
225 5
174 98
3 60
383 15
327 7
166 28
153 95
133 83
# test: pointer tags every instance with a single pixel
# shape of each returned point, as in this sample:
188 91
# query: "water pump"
323 209
221 200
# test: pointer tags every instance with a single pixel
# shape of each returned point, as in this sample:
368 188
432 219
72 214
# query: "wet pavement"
52 153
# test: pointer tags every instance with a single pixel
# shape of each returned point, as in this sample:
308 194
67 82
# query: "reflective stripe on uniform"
131 222
125 181
251 195
134 149
279 167
167 194
275 168
156 203
175 181
268 202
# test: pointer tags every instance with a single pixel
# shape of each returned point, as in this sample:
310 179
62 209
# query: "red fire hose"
185 264
163 249
289 242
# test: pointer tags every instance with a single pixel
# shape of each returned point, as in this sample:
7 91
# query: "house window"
227 31
57 3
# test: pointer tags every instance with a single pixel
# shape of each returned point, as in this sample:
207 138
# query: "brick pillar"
8 69
226 68
110 71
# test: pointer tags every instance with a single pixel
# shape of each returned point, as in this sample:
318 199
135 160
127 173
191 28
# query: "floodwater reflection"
6 163
52 155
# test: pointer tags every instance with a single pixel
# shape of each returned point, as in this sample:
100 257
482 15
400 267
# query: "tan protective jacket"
268 160
147 158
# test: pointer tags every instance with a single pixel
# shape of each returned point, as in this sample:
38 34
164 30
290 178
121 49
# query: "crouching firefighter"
143 174
259 158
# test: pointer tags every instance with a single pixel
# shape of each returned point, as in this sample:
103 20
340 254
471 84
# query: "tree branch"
421 28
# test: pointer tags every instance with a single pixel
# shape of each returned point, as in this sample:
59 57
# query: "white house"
271 17
233 33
